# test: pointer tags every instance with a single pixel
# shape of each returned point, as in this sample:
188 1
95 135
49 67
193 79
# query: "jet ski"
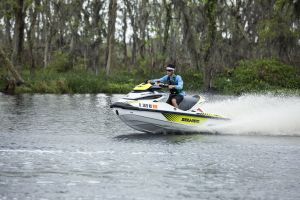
145 109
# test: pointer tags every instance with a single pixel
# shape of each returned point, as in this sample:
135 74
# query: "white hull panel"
155 122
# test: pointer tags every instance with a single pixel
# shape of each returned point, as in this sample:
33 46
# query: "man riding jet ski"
146 109
175 85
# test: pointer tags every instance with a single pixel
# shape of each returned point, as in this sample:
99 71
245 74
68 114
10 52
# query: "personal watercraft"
145 109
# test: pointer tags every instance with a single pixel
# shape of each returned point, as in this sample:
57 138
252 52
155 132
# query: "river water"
74 147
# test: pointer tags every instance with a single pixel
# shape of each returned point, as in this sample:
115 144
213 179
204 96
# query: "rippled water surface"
74 147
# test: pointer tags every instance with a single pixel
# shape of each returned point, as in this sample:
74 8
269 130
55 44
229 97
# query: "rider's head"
170 69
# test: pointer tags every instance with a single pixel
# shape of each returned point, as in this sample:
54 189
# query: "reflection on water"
74 147
171 138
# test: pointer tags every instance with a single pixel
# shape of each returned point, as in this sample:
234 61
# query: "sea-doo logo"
190 120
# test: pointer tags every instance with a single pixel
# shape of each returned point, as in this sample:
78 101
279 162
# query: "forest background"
92 46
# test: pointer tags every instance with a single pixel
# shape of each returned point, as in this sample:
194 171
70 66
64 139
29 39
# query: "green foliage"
2 84
248 76
277 29
2 77
193 80
7 8
259 75
60 62
143 68
50 81
118 88
83 82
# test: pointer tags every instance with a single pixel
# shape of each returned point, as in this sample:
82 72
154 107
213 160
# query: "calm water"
74 147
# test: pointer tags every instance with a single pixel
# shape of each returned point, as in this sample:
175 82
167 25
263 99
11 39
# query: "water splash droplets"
258 114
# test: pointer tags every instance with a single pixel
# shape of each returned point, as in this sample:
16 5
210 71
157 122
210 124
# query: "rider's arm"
179 86
163 79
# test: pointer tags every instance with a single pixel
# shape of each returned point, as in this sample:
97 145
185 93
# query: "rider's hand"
171 86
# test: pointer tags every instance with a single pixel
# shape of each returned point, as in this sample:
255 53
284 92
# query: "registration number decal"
146 105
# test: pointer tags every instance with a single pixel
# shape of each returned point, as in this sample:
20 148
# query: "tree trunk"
130 8
46 31
167 24
143 20
18 33
210 41
124 36
188 35
8 31
96 45
30 35
111 33
76 8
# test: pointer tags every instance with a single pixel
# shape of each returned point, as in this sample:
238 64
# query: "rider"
175 85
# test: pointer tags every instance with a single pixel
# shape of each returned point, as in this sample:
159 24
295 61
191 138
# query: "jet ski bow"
145 109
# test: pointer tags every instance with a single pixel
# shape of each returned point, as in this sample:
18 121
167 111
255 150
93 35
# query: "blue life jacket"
172 81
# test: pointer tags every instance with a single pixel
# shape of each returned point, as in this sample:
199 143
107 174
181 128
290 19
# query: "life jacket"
172 81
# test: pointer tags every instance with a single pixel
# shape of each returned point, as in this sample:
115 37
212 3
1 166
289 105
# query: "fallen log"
15 80
7 63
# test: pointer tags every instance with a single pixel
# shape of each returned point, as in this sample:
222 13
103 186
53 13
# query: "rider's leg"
174 102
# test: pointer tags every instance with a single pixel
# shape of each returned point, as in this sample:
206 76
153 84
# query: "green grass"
259 76
52 81
49 81
256 76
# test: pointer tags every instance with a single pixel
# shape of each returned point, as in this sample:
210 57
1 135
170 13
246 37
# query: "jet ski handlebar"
162 85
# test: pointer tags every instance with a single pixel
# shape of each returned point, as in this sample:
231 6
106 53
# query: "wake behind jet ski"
145 109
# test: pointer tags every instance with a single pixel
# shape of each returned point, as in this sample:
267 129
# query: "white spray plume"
258 114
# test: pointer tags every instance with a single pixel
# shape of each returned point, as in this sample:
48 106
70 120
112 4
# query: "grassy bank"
257 76
47 81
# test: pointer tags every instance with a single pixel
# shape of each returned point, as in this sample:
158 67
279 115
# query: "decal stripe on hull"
184 119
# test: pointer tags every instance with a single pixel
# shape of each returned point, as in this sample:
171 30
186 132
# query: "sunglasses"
169 70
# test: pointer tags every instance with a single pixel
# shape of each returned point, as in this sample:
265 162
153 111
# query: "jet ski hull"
145 109
165 122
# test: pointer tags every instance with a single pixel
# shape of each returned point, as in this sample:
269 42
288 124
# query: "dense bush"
247 76
61 62
50 81
258 75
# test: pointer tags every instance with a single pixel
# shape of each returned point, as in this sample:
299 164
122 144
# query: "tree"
19 11
124 29
206 36
188 32
142 22
30 33
132 9
168 18
210 13
112 14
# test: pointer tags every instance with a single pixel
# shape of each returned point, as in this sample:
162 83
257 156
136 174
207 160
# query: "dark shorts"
178 98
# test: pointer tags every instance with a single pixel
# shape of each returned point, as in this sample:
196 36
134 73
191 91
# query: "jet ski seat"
188 102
